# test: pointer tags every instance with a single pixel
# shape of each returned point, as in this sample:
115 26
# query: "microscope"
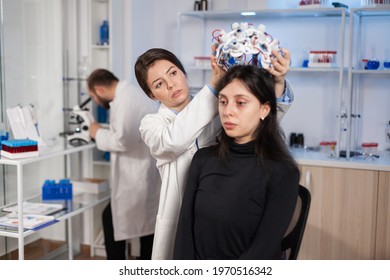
83 119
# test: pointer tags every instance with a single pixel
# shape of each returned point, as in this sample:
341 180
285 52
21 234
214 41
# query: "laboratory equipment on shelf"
83 118
57 191
104 33
19 148
322 59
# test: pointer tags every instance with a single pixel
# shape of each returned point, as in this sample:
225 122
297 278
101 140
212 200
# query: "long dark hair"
147 59
269 137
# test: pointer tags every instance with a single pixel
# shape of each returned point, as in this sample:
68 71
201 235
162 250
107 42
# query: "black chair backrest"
292 241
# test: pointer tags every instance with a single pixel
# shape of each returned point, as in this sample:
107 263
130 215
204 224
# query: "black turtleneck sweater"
235 208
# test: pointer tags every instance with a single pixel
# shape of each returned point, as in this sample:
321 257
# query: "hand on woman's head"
281 65
217 72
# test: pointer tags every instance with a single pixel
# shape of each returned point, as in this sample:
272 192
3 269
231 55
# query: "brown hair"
147 59
101 77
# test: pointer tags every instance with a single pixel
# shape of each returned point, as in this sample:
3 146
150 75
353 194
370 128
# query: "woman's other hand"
281 65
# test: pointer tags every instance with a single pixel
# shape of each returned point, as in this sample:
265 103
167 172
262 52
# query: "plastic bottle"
104 33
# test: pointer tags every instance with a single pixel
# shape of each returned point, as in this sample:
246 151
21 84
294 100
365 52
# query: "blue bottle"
104 35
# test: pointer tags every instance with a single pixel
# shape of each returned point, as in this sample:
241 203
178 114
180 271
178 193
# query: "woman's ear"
264 110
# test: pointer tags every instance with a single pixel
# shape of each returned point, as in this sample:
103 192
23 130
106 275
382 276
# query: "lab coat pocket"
164 238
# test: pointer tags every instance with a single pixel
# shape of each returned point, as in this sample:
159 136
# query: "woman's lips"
228 125
176 94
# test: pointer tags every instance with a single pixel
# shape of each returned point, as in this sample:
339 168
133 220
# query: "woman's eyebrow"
169 69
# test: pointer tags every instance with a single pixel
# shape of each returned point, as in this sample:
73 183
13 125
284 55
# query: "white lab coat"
135 181
173 140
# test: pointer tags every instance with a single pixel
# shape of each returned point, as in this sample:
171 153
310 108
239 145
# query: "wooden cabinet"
382 246
342 223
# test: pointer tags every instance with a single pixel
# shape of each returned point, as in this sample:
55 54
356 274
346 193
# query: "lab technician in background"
241 193
183 125
135 182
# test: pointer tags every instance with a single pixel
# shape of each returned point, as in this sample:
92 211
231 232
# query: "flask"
83 68
104 35
386 63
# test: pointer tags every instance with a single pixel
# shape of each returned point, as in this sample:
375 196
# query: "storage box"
322 59
375 3
90 185
313 3
202 61
57 191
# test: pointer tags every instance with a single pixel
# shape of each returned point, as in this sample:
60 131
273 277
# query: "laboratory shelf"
292 69
359 19
78 205
372 11
102 162
48 152
315 69
263 14
371 72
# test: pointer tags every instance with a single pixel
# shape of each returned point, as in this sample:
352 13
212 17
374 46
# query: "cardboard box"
90 185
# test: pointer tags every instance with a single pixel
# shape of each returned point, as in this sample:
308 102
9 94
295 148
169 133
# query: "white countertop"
306 157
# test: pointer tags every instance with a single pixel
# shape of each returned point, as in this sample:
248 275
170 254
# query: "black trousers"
116 250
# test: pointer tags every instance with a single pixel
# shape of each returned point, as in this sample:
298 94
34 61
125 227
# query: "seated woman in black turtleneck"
241 194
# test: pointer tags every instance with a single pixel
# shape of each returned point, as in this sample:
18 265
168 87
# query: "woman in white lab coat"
181 126
135 182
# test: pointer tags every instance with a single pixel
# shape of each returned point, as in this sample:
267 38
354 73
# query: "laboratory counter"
315 158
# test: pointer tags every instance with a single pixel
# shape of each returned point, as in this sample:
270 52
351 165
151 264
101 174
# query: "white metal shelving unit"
101 55
355 70
79 203
203 18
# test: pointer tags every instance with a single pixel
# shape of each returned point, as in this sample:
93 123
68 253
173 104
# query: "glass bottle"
386 63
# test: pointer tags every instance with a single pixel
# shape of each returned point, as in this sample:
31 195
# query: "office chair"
292 240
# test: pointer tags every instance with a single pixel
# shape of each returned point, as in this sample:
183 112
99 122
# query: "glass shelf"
261 14
370 72
292 69
48 152
79 204
372 11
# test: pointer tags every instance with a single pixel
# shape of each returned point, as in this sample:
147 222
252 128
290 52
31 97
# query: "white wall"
33 74
315 109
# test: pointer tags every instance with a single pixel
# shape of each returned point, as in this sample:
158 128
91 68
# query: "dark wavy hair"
147 59
269 137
